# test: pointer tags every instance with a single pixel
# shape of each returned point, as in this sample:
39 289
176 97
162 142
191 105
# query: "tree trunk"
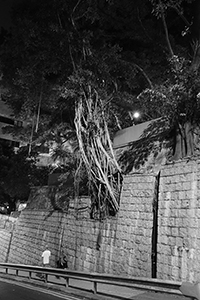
189 138
184 144
196 36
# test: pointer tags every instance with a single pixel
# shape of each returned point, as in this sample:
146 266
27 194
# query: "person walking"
46 254
62 261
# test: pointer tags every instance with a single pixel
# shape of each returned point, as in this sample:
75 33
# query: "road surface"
12 291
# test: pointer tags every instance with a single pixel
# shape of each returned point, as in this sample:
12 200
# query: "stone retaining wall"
179 221
119 245
122 244
34 230
7 226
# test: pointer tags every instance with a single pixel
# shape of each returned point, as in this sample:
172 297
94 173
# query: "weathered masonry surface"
7 226
179 221
121 245
118 245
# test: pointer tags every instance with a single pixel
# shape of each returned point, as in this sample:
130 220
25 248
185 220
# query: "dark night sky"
5 8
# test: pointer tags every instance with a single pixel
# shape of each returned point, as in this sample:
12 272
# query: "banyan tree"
96 153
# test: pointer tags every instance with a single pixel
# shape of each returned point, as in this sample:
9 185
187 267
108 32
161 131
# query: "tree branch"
182 17
71 56
39 108
59 21
75 7
144 29
166 31
145 75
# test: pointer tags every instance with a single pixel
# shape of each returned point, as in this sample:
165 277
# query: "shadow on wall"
151 148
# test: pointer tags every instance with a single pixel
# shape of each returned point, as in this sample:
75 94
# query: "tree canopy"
17 175
121 56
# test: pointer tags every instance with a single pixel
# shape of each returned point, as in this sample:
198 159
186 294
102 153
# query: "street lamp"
136 115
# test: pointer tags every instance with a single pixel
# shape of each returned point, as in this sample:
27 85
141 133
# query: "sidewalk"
83 289
117 292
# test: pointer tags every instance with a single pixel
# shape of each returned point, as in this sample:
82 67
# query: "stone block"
164 221
164 240
188 194
186 186
175 273
172 241
174 231
181 195
174 212
160 249
184 177
179 241
179 186
183 231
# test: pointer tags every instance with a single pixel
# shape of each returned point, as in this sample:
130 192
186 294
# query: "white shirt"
46 255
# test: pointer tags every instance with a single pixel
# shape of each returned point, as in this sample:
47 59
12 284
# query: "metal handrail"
130 282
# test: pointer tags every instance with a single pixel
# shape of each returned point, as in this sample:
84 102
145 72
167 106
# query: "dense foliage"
17 175
132 54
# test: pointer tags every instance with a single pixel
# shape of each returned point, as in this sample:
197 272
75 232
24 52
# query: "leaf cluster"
57 49
18 173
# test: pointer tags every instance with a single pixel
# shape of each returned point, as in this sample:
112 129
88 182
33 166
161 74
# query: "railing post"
95 287
45 278
29 276
67 281
17 272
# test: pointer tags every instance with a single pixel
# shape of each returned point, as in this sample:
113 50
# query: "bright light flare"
136 115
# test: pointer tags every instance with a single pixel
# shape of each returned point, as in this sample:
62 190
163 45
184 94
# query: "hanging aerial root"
97 153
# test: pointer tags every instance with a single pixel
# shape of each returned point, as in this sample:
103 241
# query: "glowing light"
136 115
